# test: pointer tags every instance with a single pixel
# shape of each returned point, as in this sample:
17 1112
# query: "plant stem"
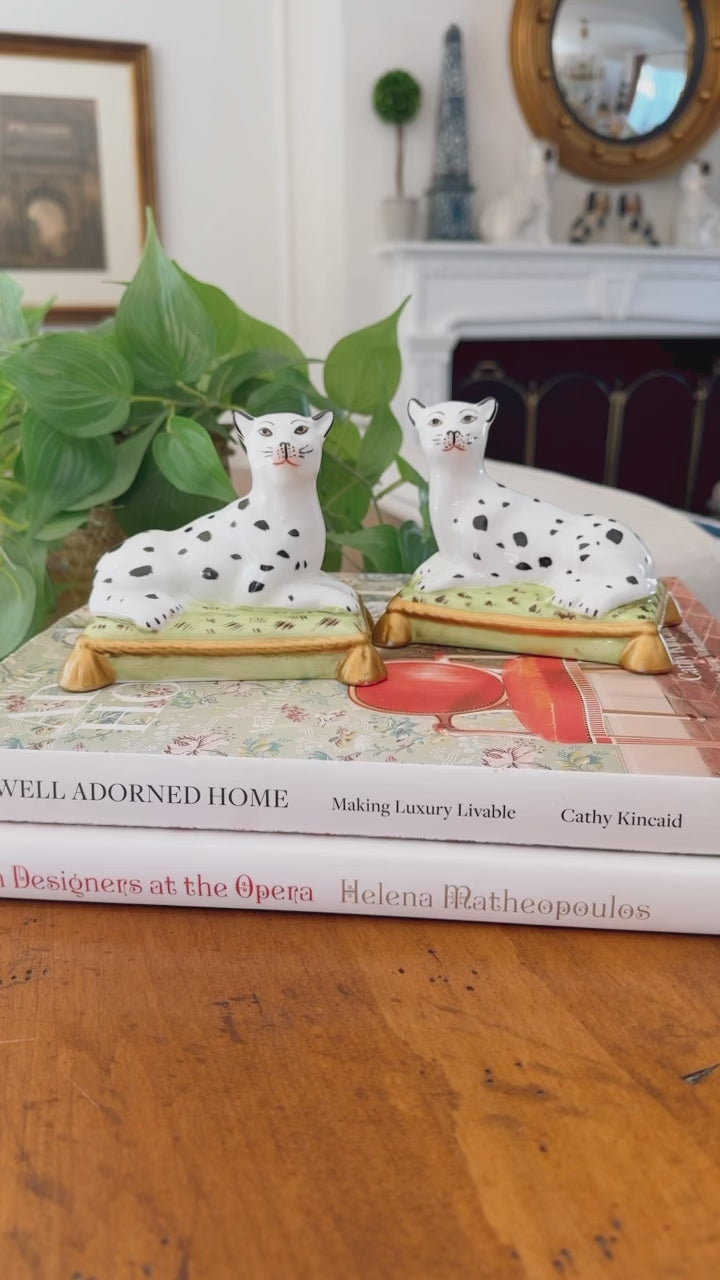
399 162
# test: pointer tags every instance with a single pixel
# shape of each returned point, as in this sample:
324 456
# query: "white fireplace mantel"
470 290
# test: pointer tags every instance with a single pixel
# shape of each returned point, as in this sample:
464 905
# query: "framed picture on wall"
77 169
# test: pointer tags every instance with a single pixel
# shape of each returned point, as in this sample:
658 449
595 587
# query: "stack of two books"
467 786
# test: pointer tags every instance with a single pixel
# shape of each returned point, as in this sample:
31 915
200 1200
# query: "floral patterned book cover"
517 720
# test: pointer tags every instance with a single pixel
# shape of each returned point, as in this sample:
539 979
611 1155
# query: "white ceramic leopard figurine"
489 535
265 549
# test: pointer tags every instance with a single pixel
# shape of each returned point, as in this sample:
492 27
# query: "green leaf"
160 325
152 500
256 335
80 385
379 546
344 442
60 470
61 525
35 316
380 444
28 554
188 459
415 546
345 499
409 474
236 370
276 397
17 604
221 311
126 458
362 371
13 324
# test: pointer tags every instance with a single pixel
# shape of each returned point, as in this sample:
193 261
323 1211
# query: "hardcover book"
454 745
448 880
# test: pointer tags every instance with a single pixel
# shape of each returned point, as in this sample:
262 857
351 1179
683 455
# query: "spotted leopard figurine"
525 574
265 548
239 593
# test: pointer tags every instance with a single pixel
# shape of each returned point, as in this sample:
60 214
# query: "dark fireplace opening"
642 414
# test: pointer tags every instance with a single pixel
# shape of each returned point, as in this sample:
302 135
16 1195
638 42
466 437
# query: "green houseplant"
396 98
130 418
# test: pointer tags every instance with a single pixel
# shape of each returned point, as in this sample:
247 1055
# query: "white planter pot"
401 218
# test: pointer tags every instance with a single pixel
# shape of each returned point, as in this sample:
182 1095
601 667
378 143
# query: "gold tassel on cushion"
393 630
646 655
362 665
86 669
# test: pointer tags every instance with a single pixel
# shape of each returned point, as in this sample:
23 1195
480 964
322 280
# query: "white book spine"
418 801
434 880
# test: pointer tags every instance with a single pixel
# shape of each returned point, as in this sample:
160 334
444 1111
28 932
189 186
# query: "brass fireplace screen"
642 413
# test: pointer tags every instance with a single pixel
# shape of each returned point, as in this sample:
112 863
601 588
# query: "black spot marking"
233 524
304 564
596 524
151 596
494 575
297 564
285 554
505 504
458 575
585 557
632 580
256 586
211 516
523 564
267 567
291 598
189 529
520 539
558 520
294 533
262 524
480 522
481 501
209 573
536 499
501 545
107 579
545 562
476 556
182 551
583 545
142 571
615 535
236 555
455 520
205 536
552 531
243 503
148 548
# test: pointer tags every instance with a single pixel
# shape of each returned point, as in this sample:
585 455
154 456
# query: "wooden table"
204 1094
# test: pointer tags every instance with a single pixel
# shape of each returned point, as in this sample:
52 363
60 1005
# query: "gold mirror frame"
581 151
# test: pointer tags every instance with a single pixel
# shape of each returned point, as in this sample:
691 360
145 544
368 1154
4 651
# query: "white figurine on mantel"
489 535
523 215
697 216
265 549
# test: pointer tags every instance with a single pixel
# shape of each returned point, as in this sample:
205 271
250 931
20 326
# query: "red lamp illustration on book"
552 699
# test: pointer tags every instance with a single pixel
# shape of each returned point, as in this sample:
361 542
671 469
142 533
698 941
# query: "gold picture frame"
77 169
600 158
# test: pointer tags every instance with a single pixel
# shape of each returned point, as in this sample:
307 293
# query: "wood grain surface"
205 1094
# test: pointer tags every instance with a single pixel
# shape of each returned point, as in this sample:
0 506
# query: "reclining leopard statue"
489 535
265 549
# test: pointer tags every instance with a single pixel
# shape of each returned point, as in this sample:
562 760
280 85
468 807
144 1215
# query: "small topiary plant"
396 98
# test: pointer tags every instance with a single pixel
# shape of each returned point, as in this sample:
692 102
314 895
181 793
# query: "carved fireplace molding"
469 290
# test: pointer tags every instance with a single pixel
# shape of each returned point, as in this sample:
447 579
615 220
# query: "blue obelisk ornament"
450 198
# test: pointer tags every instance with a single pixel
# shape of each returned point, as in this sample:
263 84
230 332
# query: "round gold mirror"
626 88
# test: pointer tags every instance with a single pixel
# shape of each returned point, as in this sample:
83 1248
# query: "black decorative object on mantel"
450 198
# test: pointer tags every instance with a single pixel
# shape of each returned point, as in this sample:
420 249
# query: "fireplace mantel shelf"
461 290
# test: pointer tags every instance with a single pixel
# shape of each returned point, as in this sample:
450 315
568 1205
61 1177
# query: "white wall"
272 165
